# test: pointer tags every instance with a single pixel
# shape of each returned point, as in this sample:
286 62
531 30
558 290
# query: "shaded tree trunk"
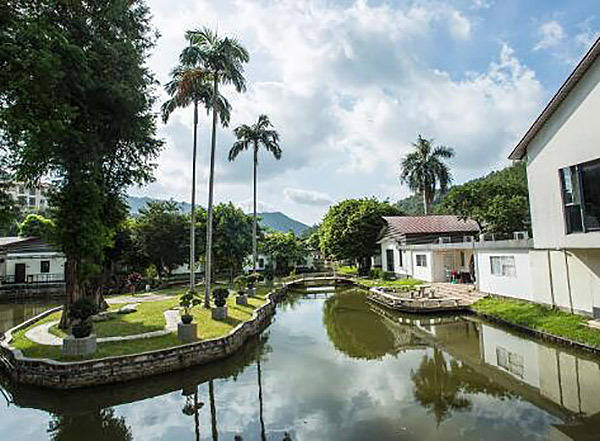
364 266
211 179
72 290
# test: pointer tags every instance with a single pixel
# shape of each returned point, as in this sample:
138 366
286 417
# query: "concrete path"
41 334
138 298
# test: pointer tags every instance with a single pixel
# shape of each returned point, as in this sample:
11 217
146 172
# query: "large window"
421 260
389 257
503 266
580 185
400 258
44 266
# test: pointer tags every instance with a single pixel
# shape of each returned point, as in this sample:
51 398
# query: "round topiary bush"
82 329
220 296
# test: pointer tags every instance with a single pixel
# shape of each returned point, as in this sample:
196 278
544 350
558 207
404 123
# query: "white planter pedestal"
219 313
186 332
241 299
73 347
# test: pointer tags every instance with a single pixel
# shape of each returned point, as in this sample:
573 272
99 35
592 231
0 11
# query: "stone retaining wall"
69 375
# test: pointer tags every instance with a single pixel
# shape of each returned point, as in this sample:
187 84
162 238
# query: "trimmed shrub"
219 296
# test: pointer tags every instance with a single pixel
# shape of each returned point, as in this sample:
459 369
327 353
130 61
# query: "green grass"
149 317
347 270
541 318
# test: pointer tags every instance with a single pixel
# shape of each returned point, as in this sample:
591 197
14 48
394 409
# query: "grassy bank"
401 283
540 318
149 317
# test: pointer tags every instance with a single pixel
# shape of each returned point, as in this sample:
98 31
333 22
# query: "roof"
431 224
9 240
586 62
26 245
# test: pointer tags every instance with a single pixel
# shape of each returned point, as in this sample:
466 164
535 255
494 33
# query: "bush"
253 279
240 283
82 309
269 272
388 275
376 273
220 296
82 329
188 300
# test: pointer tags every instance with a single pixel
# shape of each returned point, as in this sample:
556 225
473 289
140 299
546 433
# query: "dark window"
261 262
462 258
44 266
389 254
421 260
580 185
400 258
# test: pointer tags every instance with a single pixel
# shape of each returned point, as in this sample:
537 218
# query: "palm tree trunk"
425 203
211 178
263 436
213 411
254 248
193 220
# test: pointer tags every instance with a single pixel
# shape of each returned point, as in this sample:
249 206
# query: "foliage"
255 136
376 273
349 270
240 283
350 230
413 204
188 300
269 272
498 202
220 296
232 238
285 250
100 425
82 309
9 211
541 318
35 225
82 115
424 169
387 275
253 279
160 236
133 280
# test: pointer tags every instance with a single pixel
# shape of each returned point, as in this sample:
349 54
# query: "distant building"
28 198
29 262
562 150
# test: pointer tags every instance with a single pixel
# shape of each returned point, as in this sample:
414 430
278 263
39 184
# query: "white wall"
571 136
33 265
518 286
423 273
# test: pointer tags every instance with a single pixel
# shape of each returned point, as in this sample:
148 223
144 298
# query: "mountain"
280 222
276 220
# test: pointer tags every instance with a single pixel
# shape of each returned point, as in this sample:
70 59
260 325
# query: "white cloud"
307 197
482 4
551 34
348 88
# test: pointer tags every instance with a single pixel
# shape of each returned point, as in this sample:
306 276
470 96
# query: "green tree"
160 234
190 84
425 168
222 58
283 249
232 238
256 135
35 225
498 202
9 211
82 115
350 230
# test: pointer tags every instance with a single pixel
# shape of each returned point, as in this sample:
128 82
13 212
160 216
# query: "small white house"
562 150
29 260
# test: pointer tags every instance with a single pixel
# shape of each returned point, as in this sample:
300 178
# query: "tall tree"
82 115
36 225
283 248
350 230
191 84
255 136
222 58
425 168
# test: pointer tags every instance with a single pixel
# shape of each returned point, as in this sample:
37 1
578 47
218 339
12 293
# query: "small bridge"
317 279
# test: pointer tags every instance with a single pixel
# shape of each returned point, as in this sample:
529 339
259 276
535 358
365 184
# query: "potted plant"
81 341
219 312
251 281
240 283
186 330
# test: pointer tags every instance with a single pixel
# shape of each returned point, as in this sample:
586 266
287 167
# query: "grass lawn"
149 317
541 318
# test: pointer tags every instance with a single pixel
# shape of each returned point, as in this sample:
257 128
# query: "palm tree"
222 59
190 84
255 135
424 168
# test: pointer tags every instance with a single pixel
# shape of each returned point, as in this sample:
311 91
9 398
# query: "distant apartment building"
28 198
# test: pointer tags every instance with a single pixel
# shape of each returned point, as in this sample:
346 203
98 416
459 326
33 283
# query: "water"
334 367
11 314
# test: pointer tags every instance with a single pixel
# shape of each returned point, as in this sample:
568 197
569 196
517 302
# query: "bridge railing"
314 275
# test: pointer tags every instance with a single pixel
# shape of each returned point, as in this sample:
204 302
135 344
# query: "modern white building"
29 261
562 151
27 197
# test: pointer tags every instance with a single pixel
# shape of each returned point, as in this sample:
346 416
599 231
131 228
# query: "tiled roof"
12 239
432 224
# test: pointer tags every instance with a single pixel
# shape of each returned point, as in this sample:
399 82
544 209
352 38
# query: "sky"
350 84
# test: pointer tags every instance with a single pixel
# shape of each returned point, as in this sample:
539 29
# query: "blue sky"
350 84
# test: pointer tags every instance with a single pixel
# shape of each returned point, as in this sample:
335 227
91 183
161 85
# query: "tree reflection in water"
98 426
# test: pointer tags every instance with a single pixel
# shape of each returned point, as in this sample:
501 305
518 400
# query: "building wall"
423 273
517 287
571 136
33 265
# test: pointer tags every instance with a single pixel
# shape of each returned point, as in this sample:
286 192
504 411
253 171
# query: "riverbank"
549 324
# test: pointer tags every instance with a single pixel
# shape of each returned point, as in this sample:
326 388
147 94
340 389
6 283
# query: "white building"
28 198
562 150
29 260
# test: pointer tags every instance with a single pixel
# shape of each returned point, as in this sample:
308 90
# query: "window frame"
43 264
423 264
575 175
389 252
503 266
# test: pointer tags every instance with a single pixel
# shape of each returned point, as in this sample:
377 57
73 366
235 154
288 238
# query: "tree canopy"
350 230
232 238
286 250
36 225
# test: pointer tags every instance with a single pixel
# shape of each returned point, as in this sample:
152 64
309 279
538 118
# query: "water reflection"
13 313
333 366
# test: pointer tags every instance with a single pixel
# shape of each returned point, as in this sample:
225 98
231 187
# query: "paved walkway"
41 333
138 298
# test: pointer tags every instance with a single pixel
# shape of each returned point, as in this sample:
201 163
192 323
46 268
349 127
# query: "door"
389 255
19 273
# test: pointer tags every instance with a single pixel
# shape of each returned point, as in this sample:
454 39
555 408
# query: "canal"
332 366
